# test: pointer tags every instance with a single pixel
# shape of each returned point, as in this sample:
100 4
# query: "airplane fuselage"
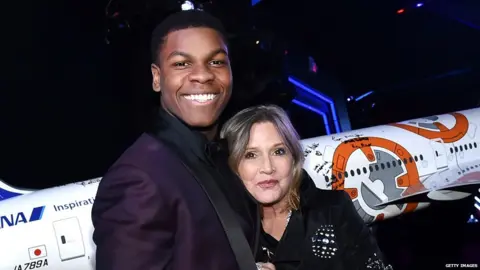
55 231
386 162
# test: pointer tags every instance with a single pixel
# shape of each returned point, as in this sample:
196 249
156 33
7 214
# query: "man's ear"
155 78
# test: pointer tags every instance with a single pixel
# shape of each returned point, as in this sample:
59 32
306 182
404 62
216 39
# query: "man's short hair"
183 20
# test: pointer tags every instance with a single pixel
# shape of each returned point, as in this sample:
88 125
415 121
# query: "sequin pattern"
324 242
267 252
376 263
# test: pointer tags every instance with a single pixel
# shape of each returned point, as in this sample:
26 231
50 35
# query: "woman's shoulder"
315 196
322 199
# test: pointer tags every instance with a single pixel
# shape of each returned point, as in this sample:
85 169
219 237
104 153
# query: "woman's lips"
267 183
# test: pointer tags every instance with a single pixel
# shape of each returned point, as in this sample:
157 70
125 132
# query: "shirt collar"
177 132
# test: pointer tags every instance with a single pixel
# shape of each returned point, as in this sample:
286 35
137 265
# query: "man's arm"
362 251
134 228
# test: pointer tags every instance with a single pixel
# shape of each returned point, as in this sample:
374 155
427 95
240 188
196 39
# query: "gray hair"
237 133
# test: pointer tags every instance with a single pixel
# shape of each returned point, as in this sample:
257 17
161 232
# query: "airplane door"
439 153
69 238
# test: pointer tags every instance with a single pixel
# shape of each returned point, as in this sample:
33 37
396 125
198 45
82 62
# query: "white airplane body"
387 170
50 228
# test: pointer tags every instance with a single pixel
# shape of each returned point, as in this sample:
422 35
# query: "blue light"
363 96
254 2
310 108
472 219
320 96
419 4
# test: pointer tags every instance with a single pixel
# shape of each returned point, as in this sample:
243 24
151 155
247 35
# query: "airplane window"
410 159
394 163
382 165
326 179
456 149
370 168
470 145
475 144
388 164
352 173
466 148
399 162
421 157
339 175
416 159
364 170
436 153
358 172
404 161
461 148
376 167
451 150
346 174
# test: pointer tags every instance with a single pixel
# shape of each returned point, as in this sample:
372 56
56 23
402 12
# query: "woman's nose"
267 166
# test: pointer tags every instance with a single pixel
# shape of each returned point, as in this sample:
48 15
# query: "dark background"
75 85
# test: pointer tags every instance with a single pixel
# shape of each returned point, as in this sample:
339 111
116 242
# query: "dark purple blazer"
150 213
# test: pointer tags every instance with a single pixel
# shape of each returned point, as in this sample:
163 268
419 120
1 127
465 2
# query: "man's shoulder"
146 152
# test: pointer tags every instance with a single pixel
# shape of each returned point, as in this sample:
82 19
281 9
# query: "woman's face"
266 168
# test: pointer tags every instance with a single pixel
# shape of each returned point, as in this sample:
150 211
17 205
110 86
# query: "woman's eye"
249 155
280 151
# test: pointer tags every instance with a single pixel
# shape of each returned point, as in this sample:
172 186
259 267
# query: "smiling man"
168 202
193 76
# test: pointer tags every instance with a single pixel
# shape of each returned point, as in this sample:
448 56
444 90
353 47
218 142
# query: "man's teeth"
201 97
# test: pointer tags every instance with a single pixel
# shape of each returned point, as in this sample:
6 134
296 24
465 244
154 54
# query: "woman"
303 227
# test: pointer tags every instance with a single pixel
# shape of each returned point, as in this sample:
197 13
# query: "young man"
155 208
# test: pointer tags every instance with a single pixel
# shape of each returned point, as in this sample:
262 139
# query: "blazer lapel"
285 256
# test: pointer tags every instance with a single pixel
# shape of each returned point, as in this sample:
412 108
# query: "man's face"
194 76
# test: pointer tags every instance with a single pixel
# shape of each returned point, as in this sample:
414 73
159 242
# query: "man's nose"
201 74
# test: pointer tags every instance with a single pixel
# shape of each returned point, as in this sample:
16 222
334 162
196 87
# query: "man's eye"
180 64
217 62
